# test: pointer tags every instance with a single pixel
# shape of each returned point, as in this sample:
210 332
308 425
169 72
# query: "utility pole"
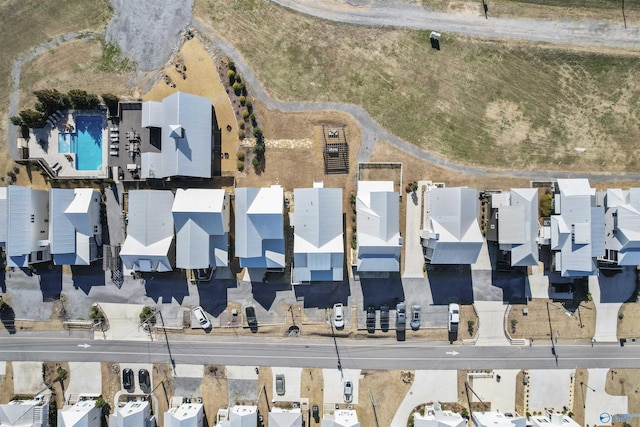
624 18
373 403
335 343
173 362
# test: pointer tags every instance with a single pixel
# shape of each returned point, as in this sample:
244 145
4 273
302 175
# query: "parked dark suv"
371 319
252 321
144 380
127 379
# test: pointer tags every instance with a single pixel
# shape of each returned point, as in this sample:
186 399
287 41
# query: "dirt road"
393 14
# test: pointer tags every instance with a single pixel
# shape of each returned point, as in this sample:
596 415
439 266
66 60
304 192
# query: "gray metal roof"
149 231
259 231
4 216
28 230
577 232
378 225
622 224
201 222
186 134
452 233
62 231
285 419
518 226
318 243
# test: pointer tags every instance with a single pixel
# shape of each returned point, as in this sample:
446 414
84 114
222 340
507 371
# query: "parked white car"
338 316
198 312
454 317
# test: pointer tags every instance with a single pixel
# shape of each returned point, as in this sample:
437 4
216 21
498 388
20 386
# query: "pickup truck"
401 317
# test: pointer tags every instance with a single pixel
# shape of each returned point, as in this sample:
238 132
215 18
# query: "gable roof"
259 229
318 242
518 226
82 414
27 227
378 225
622 224
292 418
186 122
452 234
73 215
202 225
577 229
185 415
149 231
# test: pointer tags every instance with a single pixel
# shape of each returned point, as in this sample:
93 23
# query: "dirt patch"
57 375
214 391
388 390
110 382
625 382
580 395
312 387
6 384
628 321
162 382
546 317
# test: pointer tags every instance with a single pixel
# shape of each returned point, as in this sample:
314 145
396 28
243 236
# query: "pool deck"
43 144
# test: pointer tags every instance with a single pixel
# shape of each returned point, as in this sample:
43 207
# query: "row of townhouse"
585 229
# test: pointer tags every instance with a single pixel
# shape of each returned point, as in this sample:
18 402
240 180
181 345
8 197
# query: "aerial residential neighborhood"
286 214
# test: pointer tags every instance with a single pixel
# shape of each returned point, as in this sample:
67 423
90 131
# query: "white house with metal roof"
186 131
185 415
83 414
435 417
25 413
280 417
622 226
4 216
378 227
553 419
238 416
201 218
134 414
259 231
341 418
318 241
497 419
149 231
451 233
577 229
27 226
518 224
74 226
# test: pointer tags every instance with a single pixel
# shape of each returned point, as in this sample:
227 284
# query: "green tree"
31 118
257 132
51 100
82 100
16 120
545 205
111 101
148 314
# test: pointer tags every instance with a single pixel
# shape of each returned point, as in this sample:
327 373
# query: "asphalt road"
393 14
320 353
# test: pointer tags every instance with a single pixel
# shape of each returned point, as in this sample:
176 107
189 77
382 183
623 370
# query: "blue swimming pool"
67 142
89 143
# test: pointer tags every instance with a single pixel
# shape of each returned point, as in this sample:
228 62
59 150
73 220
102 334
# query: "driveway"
187 380
423 390
413 256
124 323
27 378
549 388
597 400
334 385
491 327
609 293
84 378
136 368
292 378
500 390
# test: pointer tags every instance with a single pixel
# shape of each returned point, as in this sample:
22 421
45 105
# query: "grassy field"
491 103
543 9
27 23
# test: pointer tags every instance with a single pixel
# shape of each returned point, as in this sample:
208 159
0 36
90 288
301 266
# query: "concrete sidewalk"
413 256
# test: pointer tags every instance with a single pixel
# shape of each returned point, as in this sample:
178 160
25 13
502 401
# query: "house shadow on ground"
379 291
50 283
512 282
322 294
167 285
450 283
214 295
85 277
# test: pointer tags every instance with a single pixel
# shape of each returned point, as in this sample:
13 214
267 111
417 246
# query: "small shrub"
354 242
242 99
248 104
257 132
232 75
240 155
238 78
237 88
148 314
241 134
240 165
258 150
620 316
255 161
241 125
245 114
589 296
231 65
514 322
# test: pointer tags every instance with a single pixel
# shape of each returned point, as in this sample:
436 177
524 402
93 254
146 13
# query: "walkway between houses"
413 256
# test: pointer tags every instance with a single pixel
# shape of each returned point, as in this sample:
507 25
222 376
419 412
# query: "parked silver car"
415 317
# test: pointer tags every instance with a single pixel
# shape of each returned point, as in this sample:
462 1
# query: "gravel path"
394 14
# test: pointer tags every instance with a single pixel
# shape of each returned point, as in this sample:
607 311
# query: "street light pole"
335 343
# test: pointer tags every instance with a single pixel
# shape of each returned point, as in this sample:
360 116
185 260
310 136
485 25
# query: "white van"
338 316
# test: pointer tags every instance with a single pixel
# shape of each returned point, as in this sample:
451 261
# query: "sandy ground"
388 390
536 324
202 79
628 325
6 384
58 388
626 382
214 391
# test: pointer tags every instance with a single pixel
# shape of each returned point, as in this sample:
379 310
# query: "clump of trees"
51 100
